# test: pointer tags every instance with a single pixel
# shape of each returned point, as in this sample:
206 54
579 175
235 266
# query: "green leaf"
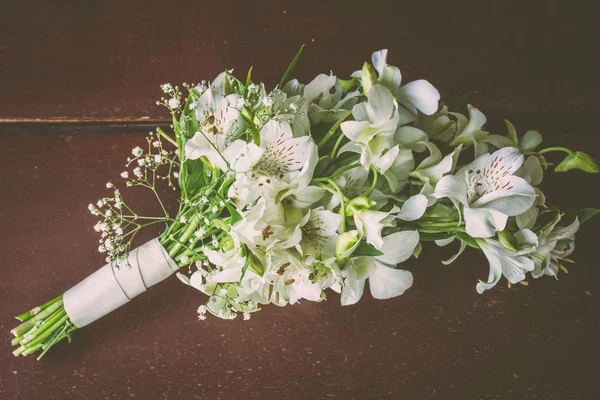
192 176
188 123
291 67
531 140
512 132
369 78
235 215
249 78
365 249
584 214
578 160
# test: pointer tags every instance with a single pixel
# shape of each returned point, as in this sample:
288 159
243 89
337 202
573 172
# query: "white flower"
324 96
184 259
319 234
417 95
166 87
137 171
174 103
183 219
513 265
385 281
291 281
488 191
200 233
246 316
220 123
554 245
370 223
372 133
282 167
157 158
137 151
124 174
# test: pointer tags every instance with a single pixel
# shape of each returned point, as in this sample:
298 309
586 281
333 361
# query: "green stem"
26 315
342 198
550 149
39 339
30 323
333 129
338 142
176 246
374 181
166 136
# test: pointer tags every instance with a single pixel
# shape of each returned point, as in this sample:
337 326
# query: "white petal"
421 94
228 275
411 138
483 223
325 221
358 131
307 196
382 103
386 282
398 247
242 156
273 131
379 60
512 197
351 294
413 208
452 187
463 246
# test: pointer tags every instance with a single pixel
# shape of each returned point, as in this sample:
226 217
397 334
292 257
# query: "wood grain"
440 340
105 60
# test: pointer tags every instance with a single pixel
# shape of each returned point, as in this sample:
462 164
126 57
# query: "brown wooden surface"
98 65
106 59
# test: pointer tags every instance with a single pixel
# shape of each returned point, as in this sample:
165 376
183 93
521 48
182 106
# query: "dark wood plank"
104 60
438 341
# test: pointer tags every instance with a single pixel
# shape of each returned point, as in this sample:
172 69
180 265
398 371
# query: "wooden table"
79 81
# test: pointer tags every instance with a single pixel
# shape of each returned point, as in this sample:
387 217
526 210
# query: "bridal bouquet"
316 186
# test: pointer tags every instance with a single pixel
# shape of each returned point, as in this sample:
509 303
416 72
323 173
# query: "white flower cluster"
328 184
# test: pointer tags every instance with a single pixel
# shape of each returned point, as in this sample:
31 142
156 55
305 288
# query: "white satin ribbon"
115 284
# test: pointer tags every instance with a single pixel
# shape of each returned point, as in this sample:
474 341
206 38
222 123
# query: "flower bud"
508 241
369 78
345 245
358 203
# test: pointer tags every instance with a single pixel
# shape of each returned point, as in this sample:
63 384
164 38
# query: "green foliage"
291 67
366 249
578 160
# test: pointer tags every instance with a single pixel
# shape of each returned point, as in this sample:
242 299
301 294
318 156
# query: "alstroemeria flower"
324 96
385 281
291 280
417 95
280 159
370 223
488 191
265 226
554 244
433 168
220 124
372 133
319 234
513 265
